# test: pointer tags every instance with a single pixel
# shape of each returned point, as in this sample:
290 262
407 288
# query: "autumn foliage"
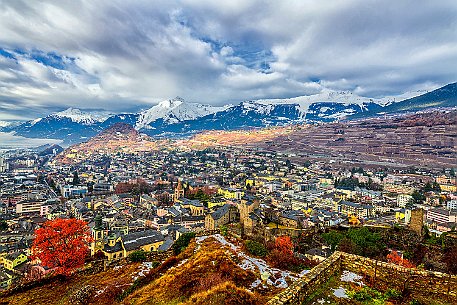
394 258
284 245
62 244
282 255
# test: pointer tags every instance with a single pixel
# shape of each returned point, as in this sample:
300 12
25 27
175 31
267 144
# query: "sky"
125 56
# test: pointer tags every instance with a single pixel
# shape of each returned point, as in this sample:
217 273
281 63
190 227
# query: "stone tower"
417 221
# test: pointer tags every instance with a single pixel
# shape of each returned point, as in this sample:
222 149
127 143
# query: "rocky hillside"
120 137
212 270
427 139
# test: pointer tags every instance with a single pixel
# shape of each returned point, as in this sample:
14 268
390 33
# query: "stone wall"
418 282
301 289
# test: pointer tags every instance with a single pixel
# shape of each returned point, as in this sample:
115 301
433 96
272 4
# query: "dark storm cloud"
124 55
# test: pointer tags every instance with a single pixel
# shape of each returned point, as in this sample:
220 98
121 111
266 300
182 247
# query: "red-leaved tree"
282 255
62 244
393 257
284 244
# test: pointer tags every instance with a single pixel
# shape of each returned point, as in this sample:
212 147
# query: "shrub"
255 248
224 230
394 258
138 256
182 242
368 295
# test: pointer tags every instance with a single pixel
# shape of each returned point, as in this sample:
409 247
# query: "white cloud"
126 55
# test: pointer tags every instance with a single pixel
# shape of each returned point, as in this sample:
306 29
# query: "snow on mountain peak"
171 103
78 116
5 124
173 111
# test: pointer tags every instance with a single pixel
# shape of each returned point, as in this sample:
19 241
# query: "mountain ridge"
178 118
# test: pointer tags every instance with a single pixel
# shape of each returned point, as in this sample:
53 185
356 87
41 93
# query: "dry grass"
59 292
202 274
208 267
225 293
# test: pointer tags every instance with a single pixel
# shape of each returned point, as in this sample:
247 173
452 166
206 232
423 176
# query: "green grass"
321 290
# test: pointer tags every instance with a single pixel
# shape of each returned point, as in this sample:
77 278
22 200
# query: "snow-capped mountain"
175 117
174 111
5 124
76 116
445 96
83 117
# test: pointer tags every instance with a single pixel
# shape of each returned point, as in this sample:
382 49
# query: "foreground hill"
211 270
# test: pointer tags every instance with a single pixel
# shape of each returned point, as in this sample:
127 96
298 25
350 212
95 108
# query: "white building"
440 215
403 200
452 205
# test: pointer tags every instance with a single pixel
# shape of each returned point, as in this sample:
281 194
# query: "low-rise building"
440 215
222 216
356 209
14 259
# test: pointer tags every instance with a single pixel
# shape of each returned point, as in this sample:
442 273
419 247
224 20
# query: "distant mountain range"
442 97
175 117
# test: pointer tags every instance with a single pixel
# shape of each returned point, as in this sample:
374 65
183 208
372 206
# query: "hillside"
425 139
442 97
210 270
120 137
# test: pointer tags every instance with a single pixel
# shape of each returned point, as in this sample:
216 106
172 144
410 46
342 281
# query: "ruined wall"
419 282
300 290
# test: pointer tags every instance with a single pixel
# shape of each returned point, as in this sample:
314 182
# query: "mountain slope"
244 115
85 118
173 111
442 97
177 118
120 137
71 125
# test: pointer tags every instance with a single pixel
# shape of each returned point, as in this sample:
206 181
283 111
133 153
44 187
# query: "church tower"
179 191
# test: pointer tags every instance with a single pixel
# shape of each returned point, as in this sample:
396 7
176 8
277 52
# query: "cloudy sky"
128 55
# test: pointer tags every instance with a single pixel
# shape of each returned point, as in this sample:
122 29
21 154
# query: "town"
147 200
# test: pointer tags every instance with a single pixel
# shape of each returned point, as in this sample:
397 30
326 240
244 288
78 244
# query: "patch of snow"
256 283
35 121
348 276
99 292
182 262
340 292
5 124
387 100
278 278
145 267
301 274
